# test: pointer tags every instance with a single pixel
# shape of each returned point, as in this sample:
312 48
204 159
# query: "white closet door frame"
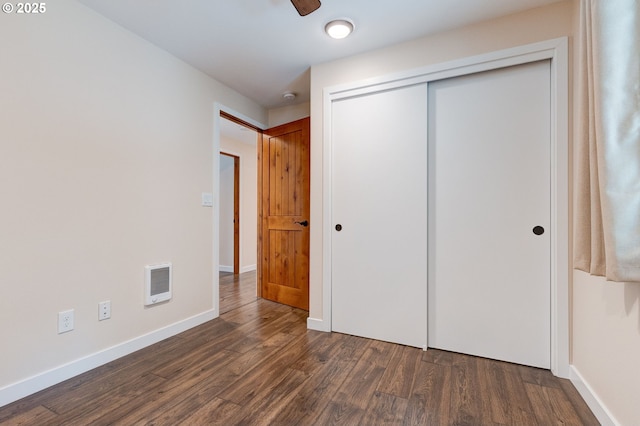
557 51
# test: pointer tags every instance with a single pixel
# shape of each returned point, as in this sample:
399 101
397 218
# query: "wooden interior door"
283 237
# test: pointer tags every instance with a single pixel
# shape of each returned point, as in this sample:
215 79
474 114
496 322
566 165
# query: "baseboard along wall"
40 381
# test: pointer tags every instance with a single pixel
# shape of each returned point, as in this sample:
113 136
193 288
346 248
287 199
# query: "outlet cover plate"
104 310
65 321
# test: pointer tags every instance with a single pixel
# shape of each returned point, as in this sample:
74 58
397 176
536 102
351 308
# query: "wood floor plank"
437 356
349 403
400 373
586 416
284 324
272 396
551 406
318 352
176 367
493 387
37 415
538 376
242 391
466 400
254 312
258 364
508 401
206 332
326 364
135 374
216 412
429 402
236 290
80 411
106 376
168 394
235 371
385 409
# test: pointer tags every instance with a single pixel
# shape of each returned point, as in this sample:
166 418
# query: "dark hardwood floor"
236 290
258 364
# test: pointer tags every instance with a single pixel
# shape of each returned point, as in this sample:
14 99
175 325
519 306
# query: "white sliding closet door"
489 198
379 201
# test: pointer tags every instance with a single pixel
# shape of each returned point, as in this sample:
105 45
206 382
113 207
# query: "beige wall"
248 200
605 316
606 342
105 149
287 114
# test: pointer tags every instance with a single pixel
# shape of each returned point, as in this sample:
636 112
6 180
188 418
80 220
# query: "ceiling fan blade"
305 7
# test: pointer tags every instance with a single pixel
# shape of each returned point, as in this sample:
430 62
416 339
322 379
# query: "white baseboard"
599 410
31 385
248 268
317 325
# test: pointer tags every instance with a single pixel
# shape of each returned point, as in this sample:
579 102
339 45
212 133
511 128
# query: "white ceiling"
263 48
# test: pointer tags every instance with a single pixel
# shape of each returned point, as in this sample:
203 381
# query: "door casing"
222 111
555 50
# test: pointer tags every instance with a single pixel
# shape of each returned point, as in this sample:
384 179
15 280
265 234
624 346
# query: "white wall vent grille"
157 283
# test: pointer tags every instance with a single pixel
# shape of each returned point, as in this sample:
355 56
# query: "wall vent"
157 283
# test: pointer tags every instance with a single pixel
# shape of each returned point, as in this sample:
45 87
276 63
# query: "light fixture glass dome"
339 28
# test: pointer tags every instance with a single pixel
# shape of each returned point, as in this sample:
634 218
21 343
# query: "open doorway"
238 213
229 213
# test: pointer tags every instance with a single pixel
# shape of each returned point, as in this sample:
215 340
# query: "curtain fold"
607 175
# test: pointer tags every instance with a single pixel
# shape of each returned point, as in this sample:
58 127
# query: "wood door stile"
284 209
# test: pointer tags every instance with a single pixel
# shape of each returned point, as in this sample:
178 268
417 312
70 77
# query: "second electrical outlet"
104 310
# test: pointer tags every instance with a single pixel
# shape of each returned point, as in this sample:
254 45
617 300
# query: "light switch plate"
207 199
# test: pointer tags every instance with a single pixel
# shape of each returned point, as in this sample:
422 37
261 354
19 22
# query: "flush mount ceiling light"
288 96
339 28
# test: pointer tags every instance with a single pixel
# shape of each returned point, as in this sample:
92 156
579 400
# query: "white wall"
289 113
105 149
605 316
248 199
606 342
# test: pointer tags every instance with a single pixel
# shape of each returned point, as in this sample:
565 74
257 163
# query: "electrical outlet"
65 321
104 310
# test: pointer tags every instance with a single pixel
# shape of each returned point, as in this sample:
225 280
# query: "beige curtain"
607 210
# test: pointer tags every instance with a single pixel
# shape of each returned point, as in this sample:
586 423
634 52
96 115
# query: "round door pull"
338 227
538 230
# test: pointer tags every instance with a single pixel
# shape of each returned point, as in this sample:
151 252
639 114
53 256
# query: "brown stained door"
283 246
